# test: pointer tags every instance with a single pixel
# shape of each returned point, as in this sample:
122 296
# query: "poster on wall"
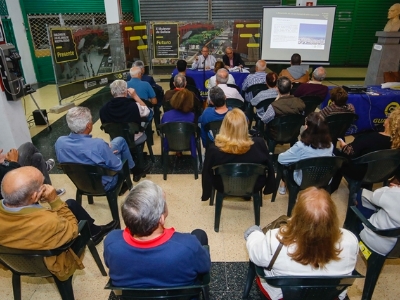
64 47
166 40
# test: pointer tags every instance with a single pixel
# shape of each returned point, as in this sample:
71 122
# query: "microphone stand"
204 73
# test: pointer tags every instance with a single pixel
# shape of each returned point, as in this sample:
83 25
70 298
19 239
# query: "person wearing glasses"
232 59
204 61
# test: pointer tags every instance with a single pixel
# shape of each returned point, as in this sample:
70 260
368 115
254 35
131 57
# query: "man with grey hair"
145 77
179 84
79 147
257 78
285 104
156 256
215 113
221 78
314 87
143 89
232 59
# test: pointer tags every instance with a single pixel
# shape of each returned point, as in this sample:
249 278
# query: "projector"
355 89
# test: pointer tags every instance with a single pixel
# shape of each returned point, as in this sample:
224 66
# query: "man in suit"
232 59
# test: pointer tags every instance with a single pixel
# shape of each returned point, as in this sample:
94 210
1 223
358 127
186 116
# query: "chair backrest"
214 128
87 178
265 103
125 130
256 88
233 102
311 103
178 134
310 287
378 165
339 123
317 171
285 129
238 179
233 86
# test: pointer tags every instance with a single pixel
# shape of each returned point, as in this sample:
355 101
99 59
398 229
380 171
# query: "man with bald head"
205 60
142 88
313 87
26 224
221 79
256 78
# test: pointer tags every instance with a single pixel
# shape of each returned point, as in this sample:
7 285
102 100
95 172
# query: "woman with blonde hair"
310 244
234 145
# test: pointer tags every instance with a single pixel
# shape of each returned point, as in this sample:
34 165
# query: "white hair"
77 118
118 88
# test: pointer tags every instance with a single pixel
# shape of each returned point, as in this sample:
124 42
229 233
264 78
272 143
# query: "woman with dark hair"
339 103
312 243
234 145
271 92
212 81
315 141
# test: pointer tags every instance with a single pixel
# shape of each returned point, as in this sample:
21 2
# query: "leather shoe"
104 229
139 173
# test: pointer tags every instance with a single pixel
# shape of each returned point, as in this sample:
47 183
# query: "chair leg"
149 147
112 198
293 191
206 292
351 220
16 284
196 168
78 197
199 153
251 274
165 164
90 199
127 176
65 288
374 267
140 158
212 196
96 257
256 204
218 209
278 179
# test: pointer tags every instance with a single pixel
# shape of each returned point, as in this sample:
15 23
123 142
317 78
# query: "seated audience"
312 242
234 145
28 225
285 104
367 143
181 67
271 92
27 155
339 103
215 113
314 87
204 61
315 141
143 89
257 78
221 79
296 72
156 256
123 110
232 59
212 80
79 147
150 80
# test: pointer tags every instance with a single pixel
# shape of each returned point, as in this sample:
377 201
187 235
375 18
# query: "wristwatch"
5 163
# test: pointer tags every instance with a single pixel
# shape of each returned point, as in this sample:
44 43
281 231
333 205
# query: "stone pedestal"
385 56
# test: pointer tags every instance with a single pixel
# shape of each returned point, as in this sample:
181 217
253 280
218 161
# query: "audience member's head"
136 72
179 81
319 74
181 65
183 100
139 64
144 209
20 187
271 79
393 121
261 65
339 96
316 133
217 96
295 59
284 85
118 88
233 136
218 65
79 119
222 76
313 228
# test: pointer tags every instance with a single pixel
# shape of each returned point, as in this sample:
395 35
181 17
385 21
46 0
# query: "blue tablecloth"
372 110
201 78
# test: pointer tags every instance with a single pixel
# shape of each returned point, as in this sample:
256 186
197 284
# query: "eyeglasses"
228 53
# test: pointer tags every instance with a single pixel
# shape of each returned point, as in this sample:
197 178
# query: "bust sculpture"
394 18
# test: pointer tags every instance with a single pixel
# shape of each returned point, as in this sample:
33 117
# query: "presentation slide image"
288 33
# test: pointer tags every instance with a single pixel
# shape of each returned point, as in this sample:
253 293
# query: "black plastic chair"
156 108
378 166
316 171
282 130
238 180
375 260
302 287
339 123
233 102
254 90
311 103
178 135
214 128
233 86
31 262
262 104
87 179
127 131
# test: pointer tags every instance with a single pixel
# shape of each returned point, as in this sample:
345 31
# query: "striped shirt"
252 79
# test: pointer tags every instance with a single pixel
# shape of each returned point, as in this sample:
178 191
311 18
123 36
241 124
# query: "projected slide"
298 29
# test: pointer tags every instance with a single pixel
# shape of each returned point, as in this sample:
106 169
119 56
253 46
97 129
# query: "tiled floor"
186 212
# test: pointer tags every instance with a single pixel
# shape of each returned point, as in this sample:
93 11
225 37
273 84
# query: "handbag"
391 76
282 220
